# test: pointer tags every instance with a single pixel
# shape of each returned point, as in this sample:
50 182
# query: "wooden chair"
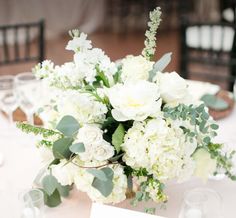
15 49
211 45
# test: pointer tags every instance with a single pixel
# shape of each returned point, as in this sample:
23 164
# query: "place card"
105 211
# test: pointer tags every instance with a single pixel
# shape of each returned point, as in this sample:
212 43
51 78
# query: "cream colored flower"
134 100
205 165
135 68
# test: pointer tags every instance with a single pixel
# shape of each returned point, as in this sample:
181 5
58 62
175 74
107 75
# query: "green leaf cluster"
103 180
214 102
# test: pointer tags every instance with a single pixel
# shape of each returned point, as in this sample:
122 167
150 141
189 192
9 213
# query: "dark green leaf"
77 148
68 125
118 136
53 200
61 148
214 126
207 140
116 158
49 184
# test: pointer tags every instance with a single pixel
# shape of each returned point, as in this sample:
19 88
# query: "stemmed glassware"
28 94
8 99
201 203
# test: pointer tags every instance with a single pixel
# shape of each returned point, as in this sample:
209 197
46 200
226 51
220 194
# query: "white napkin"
197 89
105 211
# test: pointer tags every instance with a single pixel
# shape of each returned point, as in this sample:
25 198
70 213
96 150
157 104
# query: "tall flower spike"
150 41
74 33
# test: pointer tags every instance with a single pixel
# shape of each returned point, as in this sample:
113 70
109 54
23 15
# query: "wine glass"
201 203
8 100
32 204
28 93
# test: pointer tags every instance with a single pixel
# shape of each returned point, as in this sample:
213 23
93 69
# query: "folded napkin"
197 89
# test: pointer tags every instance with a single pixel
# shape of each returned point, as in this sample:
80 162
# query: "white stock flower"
135 68
46 154
173 88
64 172
79 43
134 101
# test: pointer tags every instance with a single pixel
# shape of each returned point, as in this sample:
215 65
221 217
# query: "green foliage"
68 125
52 200
61 148
101 77
150 210
198 117
160 65
103 180
118 137
49 184
77 148
36 130
214 102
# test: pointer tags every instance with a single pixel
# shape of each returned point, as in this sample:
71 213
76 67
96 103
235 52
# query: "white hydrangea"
134 100
135 68
80 43
83 181
96 148
155 146
64 172
81 106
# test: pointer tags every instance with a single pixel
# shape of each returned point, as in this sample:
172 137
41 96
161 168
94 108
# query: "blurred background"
200 34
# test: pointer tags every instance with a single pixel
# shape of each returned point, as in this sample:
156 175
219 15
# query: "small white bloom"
135 68
134 101
79 43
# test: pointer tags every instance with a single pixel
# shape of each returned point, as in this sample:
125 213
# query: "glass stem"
30 118
10 117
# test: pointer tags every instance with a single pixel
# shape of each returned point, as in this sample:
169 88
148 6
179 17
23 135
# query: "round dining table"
21 163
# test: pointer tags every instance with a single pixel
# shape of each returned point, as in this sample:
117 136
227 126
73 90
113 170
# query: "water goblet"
28 94
8 100
201 203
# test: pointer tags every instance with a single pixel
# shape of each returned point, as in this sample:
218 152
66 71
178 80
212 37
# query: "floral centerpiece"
112 126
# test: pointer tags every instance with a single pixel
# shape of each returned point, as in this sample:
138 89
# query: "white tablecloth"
22 163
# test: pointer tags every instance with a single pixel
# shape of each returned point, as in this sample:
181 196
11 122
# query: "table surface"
22 162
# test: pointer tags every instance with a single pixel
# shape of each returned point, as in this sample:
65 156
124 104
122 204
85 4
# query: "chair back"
212 45
16 43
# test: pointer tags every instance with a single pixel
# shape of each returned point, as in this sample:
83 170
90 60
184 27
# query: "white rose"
173 88
205 165
89 134
46 154
103 151
135 68
64 172
134 101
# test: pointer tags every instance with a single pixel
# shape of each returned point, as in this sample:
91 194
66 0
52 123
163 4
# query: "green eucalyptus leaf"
68 125
63 190
61 148
52 200
118 137
99 174
160 65
214 126
214 102
77 148
104 187
49 184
